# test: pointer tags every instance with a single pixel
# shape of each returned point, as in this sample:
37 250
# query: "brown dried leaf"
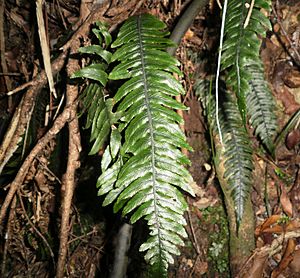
258 266
286 202
268 222
293 139
286 259
295 263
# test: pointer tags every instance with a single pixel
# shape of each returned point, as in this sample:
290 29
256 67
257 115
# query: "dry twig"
35 229
59 123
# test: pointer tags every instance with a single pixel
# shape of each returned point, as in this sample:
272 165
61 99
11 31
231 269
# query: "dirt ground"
34 219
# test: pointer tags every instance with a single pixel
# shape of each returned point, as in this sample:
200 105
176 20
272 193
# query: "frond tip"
149 171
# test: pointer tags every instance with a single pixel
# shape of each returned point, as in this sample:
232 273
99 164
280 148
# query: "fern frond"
241 45
235 157
149 170
261 107
100 116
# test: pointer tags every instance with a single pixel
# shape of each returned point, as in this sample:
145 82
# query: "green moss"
218 249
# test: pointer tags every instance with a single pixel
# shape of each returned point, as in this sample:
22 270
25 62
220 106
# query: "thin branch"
287 37
17 128
2 46
249 13
20 88
68 182
8 236
35 229
57 126
45 46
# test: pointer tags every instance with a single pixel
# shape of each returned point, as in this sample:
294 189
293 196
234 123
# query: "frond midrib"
241 35
151 128
237 148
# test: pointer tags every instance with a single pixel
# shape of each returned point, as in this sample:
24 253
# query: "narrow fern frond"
261 107
241 45
235 157
145 180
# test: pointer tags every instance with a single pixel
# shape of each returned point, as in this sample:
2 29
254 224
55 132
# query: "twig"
57 126
219 4
10 73
82 236
2 46
20 88
195 242
48 170
45 46
286 36
35 229
68 180
269 250
7 236
18 126
194 266
249 14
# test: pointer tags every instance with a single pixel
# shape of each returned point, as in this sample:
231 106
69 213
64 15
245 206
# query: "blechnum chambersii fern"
142 166
243 72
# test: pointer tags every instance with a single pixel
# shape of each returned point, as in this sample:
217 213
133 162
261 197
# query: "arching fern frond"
146 177
98 106
235 157
261 107
241 45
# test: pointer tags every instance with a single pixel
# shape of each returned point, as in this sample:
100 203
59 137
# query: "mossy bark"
241 240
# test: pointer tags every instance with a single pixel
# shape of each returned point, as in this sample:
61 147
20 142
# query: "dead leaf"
258 266
286 259
293 139
267 223
295 263
204 202
286 202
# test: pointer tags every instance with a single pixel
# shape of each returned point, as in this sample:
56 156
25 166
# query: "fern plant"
142 171
244 76
234 160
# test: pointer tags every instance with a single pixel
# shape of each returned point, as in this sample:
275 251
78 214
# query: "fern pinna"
143 170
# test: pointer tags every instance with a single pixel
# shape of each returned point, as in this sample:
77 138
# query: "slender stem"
218 70
185 22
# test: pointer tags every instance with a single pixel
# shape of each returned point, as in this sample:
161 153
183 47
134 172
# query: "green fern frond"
149 170
235 156
100 117
261 107
241 45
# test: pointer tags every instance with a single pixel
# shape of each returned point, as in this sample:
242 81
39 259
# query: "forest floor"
276 189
